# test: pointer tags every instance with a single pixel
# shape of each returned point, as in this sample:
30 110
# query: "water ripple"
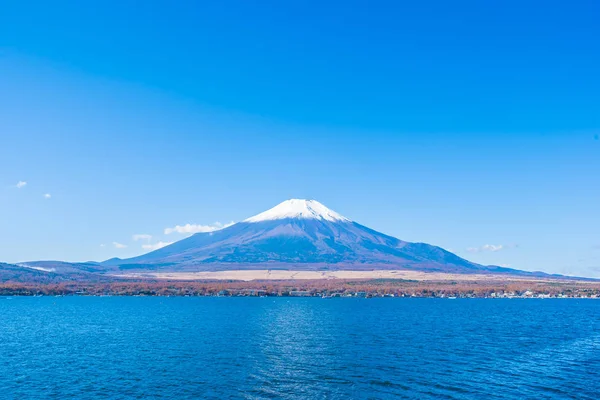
252 348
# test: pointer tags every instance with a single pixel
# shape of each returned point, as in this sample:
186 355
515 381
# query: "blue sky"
469 125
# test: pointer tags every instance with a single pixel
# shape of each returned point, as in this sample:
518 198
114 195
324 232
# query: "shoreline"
302 284
11 296
295 275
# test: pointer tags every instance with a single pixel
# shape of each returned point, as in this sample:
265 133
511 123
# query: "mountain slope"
303 235
50 272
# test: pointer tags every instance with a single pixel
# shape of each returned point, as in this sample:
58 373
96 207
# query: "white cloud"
155 246
142 236
193 228
119 245
491 247
47 195
102 245
21 184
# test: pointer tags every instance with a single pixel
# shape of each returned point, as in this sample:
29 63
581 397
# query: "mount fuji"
300 235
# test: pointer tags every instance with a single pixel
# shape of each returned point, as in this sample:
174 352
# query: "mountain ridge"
303 235
296 235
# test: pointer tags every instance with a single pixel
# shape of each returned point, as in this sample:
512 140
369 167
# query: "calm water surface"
261 348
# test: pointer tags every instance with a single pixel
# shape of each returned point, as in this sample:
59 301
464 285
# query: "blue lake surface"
295 348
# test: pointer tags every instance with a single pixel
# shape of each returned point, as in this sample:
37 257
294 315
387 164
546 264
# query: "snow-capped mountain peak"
299 208
302 235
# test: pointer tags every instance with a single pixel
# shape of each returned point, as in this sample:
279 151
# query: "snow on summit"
297 208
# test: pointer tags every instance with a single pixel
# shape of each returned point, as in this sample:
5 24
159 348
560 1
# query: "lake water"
295 348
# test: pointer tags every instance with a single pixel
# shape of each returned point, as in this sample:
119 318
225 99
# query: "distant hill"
14 273
51 272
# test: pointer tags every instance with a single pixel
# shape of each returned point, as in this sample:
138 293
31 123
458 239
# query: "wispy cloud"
142 236
193 228
491 247
119 245
47 195
155 246
21 184
102 245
